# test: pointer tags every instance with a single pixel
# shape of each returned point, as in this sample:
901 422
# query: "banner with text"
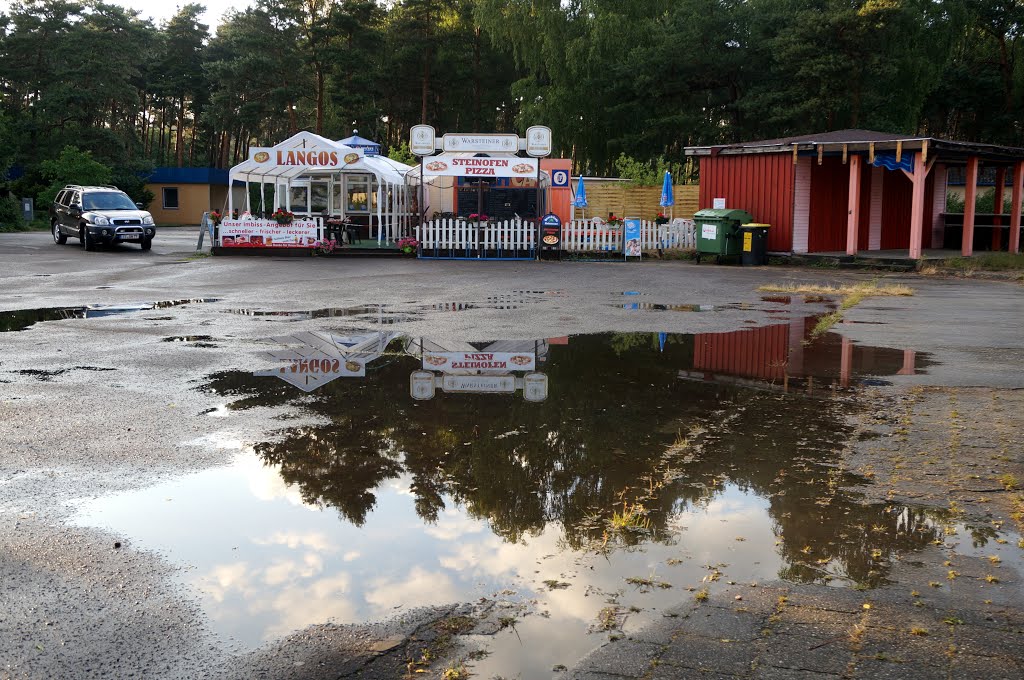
482 167
451 362
257 233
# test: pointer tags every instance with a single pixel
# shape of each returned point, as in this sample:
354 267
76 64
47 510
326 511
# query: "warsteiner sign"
482 167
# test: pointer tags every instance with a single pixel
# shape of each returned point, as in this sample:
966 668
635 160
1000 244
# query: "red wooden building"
857 190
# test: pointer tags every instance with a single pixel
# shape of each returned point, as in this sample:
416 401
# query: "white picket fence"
463 238
516 238
595 235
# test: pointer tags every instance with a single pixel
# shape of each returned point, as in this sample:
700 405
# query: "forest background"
89 87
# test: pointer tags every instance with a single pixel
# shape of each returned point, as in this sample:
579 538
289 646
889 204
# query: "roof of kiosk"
306 153
356 142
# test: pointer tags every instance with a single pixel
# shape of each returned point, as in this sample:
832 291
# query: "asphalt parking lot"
129 385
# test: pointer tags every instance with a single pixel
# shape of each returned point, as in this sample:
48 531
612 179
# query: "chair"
351 231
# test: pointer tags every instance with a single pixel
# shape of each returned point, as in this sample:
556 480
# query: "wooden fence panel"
626 200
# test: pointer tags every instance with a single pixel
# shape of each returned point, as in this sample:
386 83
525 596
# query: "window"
299 199
170 198
318 197
60 200
357 193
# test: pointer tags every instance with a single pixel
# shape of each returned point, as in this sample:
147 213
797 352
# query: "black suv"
100 215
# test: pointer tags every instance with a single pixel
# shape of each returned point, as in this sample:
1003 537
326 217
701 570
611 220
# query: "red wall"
559 198
761 184
896 205
830 196
754 353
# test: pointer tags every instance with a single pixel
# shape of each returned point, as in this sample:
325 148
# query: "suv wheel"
147 243
86 238
58 237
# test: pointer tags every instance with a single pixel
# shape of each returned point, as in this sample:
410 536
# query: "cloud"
317 541
453 525
419 589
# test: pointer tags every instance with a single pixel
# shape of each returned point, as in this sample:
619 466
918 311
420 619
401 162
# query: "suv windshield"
108 200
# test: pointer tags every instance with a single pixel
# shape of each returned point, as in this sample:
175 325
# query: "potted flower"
215 217
408 245
614 221
324 247
474 217
282 216
662 218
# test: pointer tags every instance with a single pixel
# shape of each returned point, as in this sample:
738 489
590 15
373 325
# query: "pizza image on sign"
261 157
521 360
437 166
522 168
550 239
351 158
436 361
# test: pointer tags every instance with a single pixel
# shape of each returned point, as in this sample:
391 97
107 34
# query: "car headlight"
148 219
100 220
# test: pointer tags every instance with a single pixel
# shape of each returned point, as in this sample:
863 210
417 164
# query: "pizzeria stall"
306 187
501 186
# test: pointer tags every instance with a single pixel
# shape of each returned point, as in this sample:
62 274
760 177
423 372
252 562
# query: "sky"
161 10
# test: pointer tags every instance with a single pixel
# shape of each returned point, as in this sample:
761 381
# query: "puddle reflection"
20 319
695 459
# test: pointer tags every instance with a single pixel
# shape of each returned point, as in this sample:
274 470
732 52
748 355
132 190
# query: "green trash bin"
754 243
718 232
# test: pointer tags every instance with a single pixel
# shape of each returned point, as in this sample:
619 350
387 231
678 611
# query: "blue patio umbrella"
580 199
667 199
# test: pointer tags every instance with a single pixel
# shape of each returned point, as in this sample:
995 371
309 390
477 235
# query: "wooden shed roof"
853 140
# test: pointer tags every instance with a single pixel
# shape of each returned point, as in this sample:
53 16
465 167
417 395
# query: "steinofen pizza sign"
482 167
469 362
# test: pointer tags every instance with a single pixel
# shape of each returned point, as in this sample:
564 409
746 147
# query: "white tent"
306 157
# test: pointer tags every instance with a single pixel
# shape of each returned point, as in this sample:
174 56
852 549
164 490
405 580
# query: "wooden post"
853 206
970 201
1015 199
909 366
845 362
997 208
917 206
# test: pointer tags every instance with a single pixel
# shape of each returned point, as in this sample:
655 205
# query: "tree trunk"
179 142
163 119
427 58
192 142
319 100
476 80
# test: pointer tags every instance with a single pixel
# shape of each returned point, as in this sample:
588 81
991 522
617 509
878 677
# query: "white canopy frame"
393 214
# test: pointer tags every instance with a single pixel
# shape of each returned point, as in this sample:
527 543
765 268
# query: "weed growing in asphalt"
851 295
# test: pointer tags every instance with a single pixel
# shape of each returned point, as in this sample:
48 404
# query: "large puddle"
586 483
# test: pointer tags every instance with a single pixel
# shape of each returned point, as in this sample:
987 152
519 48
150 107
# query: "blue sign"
551 220
559 178
631 244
